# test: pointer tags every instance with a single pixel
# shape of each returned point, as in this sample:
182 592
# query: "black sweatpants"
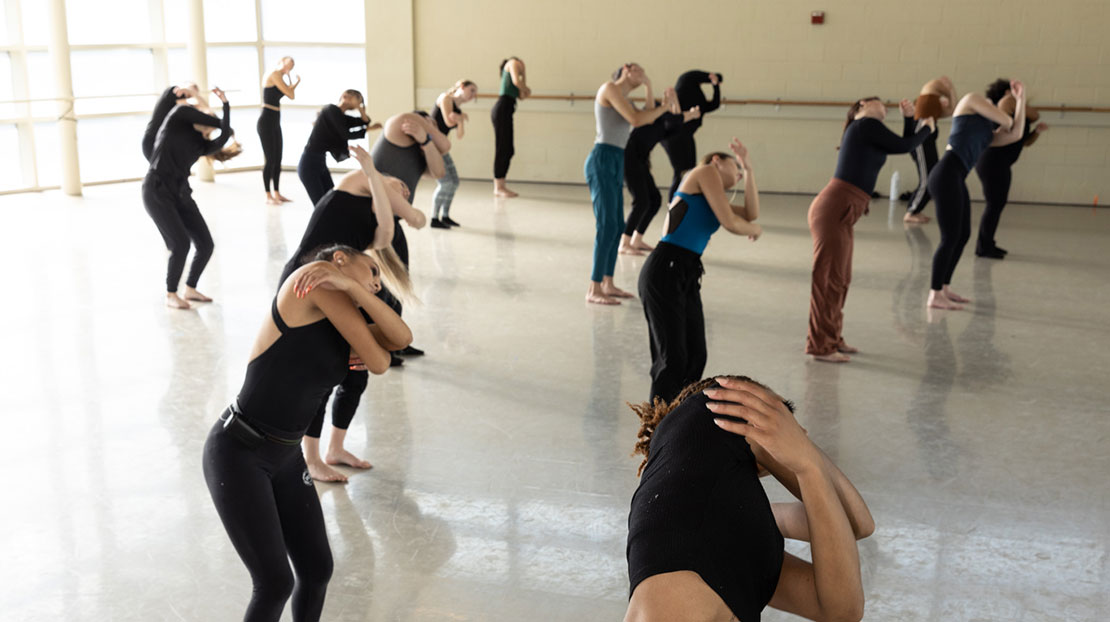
269 132
670 289
646 199
995 174
175 213
925 157
502 116
314 174
683 154
948 185
269 507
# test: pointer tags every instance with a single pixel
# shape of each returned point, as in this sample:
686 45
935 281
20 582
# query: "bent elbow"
865 529
848 613
379 365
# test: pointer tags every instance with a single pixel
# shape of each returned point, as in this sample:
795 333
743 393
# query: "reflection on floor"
502 473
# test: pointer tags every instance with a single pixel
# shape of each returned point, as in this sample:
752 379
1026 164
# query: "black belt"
248 433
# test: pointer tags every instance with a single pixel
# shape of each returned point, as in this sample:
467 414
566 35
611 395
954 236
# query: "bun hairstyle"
853 110
652 413
617 73
997 90
394 275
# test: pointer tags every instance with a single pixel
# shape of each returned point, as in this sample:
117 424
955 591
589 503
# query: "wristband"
426 140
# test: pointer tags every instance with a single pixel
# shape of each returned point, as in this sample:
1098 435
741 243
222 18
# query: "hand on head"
321 274
363 158
714 79
415 129
1018 89
741 152
218 92
766 422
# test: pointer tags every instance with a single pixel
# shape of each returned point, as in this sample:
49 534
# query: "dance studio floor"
502 473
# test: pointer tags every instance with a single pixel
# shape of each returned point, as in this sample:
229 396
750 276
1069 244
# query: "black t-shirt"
864 148
332 130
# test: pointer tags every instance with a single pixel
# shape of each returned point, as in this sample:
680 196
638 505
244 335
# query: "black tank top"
700 507
286 383
437 116
271 96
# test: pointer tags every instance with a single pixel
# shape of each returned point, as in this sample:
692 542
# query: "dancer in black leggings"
330 133
168 199
680 147
513 86
350 215
172 96
646 199
705 543
976 125
252 461
994 166
274 86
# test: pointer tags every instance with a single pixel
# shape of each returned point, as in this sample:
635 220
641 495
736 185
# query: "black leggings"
314 174
269 507
683 154
645 195
925 157
996 177
948 185
269 132
178 219
670 289
502 117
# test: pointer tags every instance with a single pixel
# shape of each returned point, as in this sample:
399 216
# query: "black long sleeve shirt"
179 145
332 130
644 138
688 89
165 104
865 145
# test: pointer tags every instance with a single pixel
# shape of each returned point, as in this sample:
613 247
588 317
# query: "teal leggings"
605 175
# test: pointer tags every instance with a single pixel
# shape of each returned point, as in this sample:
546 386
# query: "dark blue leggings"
948 185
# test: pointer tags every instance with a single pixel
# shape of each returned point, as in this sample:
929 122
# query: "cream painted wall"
767 49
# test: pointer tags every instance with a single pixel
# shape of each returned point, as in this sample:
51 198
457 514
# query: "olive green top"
507 86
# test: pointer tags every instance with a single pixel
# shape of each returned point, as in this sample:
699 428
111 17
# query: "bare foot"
834 357
937 300
344 457
844 348
174 301
629 250
600 299
324 473
504 193
644 246
915 219
953 296
282 199
614 292
195 296
272 201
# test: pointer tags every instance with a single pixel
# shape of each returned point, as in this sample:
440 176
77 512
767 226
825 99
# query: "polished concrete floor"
502 472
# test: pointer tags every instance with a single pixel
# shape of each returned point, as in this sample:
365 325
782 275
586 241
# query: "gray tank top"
404 163
612 129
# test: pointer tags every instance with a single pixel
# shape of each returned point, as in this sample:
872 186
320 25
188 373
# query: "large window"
124 53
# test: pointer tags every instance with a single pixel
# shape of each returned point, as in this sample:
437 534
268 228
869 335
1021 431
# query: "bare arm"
1017 128
706 181
444 103
516 73
749 211
369 182
341 309
402 208
982 106
611 95
289 90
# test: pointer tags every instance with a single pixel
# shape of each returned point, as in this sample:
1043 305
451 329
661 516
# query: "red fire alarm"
817 17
